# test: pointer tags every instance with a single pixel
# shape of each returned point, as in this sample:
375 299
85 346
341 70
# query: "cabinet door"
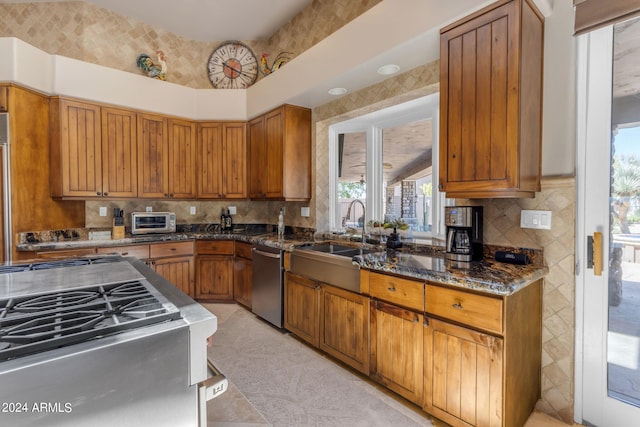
153 174
479 102
182 159
462 375
178 271
214 277
344 327
274 134
81 149
257 159
397 350
302 308
119 153
235 161
222 160
242 277
210 155
4 98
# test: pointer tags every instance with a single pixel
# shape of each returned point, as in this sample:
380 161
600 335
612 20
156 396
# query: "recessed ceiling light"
337 91
388 69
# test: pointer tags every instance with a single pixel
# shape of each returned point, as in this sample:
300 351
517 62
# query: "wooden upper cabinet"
222 152
76 149
280 154
491 102
119 168
182 159
153 165
4 98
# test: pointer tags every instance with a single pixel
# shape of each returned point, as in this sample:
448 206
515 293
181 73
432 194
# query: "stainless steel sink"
328 263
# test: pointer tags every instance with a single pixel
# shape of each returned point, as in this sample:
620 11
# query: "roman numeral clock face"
232 66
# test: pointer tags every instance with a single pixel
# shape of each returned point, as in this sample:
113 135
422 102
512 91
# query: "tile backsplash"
247 212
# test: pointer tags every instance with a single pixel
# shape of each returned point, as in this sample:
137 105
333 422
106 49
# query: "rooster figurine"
151 69
278 62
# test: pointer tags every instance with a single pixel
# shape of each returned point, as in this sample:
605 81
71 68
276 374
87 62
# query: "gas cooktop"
64 302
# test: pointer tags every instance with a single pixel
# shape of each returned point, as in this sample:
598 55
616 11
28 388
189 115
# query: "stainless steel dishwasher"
267 298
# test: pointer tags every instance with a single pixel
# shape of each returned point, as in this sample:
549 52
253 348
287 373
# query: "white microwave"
153 222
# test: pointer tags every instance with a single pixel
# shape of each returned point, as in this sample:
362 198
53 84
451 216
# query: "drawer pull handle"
125 253
457 306
391 289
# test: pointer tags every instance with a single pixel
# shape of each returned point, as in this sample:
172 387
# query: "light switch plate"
103 211
192 210
232 210
535 219
305 211
148 209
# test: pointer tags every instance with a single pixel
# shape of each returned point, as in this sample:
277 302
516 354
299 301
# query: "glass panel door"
609 204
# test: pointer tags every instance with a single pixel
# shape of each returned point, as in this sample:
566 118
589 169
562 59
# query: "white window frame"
372 124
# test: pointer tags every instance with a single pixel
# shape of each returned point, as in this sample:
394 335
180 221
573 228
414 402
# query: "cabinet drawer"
66 253
214 247
243 250
407 293
161 250
138 251
478 311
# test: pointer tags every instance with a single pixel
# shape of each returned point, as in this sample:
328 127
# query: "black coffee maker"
464 233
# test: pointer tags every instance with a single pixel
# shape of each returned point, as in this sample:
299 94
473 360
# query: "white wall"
558 118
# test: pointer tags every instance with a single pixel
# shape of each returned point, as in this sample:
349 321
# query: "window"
384 169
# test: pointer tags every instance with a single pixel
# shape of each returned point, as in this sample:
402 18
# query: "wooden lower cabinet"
302 307
397 350
344 327
173 261
214 270
178 270
214 277
242 274
462 375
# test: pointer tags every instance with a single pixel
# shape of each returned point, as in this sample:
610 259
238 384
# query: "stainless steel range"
101 342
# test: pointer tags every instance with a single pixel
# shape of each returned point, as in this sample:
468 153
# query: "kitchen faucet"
364 217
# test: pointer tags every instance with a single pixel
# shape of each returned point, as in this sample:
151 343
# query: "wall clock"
232 65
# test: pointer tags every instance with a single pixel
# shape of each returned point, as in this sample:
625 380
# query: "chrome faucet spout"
364 217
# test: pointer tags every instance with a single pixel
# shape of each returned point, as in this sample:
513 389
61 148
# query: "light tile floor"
277 380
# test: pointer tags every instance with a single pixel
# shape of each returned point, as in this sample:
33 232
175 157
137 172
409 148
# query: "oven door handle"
267 254
209 389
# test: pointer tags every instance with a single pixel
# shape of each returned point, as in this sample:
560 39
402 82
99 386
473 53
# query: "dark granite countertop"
487 275
262 237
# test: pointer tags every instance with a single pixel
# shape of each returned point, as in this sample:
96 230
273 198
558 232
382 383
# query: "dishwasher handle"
267 254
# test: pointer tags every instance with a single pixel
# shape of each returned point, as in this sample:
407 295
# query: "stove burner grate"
31 324
45 265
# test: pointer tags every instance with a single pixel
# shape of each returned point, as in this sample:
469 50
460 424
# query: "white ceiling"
205 20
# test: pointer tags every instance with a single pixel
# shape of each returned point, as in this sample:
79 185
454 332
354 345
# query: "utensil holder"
117 232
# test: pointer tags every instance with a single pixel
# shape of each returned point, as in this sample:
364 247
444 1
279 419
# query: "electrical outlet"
305 211
103 211
148 209
232 210
192 210
535 219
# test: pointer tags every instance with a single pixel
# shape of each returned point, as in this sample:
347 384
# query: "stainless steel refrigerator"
5 188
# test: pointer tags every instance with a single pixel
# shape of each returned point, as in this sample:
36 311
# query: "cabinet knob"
105 194
98 193
166 195
457 306
171 195
392 289
453 156
440 186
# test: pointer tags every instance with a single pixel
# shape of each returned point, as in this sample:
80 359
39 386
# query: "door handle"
594 253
